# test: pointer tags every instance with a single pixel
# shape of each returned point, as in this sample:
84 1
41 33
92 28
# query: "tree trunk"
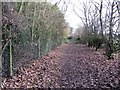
0 43
100 11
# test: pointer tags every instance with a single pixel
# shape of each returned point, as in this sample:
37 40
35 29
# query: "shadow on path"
68 66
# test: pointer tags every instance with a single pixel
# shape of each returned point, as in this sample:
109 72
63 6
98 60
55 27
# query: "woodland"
39 49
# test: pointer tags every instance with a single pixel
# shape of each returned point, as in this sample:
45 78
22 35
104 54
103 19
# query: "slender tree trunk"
110 40
0 43
100 11
118 8
33 23
21 8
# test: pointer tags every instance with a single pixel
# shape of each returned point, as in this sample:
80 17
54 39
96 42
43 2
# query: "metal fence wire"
20 49
28 36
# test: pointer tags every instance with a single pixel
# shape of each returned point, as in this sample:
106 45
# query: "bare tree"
101 24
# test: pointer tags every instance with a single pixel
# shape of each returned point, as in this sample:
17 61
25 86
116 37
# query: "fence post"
0 42
11 56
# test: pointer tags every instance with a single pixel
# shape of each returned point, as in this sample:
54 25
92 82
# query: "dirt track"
69 66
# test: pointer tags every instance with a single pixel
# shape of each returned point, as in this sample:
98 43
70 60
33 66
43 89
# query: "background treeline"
101 25
29 31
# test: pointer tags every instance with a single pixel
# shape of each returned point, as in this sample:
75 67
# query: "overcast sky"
70 16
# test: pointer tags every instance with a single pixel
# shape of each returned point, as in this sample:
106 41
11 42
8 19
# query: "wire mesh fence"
24 52
29 31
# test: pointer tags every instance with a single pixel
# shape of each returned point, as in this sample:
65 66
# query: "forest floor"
68 66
